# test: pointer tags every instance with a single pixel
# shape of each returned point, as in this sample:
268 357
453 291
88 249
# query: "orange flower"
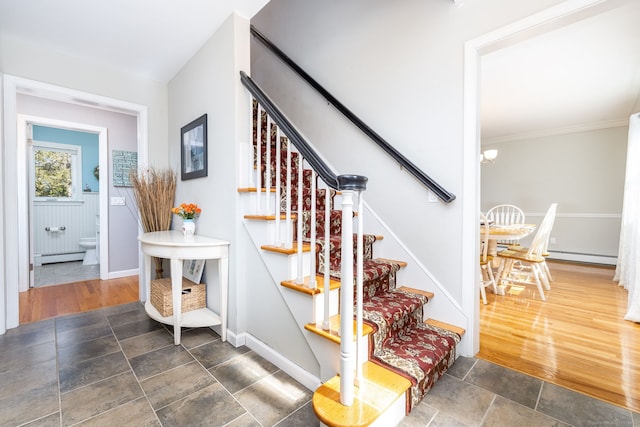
187 211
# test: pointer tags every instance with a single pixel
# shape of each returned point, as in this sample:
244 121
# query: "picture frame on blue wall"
193 149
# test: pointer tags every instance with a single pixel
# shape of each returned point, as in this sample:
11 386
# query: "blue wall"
88 142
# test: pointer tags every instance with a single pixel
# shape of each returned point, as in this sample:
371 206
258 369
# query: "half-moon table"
174 246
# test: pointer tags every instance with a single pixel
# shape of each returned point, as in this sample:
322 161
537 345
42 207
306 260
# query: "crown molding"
556 131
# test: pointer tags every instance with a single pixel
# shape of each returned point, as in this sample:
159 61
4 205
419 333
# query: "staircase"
303 228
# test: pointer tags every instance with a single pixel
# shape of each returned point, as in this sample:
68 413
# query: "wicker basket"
194 296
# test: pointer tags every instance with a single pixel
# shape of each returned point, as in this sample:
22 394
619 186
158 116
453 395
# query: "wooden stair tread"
287 251
427 294
271 217
333 333
442 325
400 263
255 190
304 287
380 388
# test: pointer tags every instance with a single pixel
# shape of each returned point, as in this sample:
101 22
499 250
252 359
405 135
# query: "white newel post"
347 356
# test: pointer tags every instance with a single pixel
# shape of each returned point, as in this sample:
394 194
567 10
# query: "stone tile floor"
116 366
64 272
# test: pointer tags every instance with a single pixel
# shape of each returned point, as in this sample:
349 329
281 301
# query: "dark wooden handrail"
427 181
337 182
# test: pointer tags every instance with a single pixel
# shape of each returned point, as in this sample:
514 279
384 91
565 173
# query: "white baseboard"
49 259
592 259
305 378
122 273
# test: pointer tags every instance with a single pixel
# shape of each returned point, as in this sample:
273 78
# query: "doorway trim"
555 17
14 221
103 188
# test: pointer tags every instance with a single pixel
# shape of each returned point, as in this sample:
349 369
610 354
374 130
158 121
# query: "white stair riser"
328 354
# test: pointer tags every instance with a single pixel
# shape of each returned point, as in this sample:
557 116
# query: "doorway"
64 200
15 183
547 20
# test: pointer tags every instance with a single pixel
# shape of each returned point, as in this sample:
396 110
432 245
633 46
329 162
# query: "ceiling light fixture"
488 156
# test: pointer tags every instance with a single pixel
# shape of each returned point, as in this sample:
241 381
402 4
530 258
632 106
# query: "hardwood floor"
577 339
52 301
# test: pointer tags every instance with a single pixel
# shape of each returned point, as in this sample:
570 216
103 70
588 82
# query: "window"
57 170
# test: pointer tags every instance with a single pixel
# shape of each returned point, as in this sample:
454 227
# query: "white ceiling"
153 38
584 75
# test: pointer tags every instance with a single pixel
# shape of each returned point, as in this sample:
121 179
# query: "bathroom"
65 205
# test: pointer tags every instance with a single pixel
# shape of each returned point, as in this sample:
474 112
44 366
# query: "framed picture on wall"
193 149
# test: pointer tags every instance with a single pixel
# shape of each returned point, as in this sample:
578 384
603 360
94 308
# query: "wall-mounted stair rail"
405 163
273 136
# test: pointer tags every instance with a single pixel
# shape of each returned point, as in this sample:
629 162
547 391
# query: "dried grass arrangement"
155 191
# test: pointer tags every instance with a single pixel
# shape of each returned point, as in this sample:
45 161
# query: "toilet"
90 256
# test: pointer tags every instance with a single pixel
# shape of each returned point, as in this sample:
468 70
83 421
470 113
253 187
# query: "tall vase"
188 227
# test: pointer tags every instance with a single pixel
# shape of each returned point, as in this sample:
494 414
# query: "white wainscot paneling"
78 219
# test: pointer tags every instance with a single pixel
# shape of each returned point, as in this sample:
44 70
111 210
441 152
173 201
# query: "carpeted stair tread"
427 294
447 326
335 224
423 354
392 313
335 254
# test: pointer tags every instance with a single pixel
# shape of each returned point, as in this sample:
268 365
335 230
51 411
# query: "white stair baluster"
267 165
347 356
300 273
326 324
278 239
359 284
258 170
254 131
288 225
312 224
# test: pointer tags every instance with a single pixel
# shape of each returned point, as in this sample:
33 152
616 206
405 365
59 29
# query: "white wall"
210 83
122 135
583 172
33 62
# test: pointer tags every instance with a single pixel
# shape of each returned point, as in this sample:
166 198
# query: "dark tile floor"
115 366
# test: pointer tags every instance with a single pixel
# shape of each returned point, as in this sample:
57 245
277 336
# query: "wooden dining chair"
486 272
528 267
505 215
547 226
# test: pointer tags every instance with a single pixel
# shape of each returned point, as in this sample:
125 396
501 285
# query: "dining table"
505 232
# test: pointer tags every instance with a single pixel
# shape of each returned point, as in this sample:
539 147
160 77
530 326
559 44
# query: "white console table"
174 246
